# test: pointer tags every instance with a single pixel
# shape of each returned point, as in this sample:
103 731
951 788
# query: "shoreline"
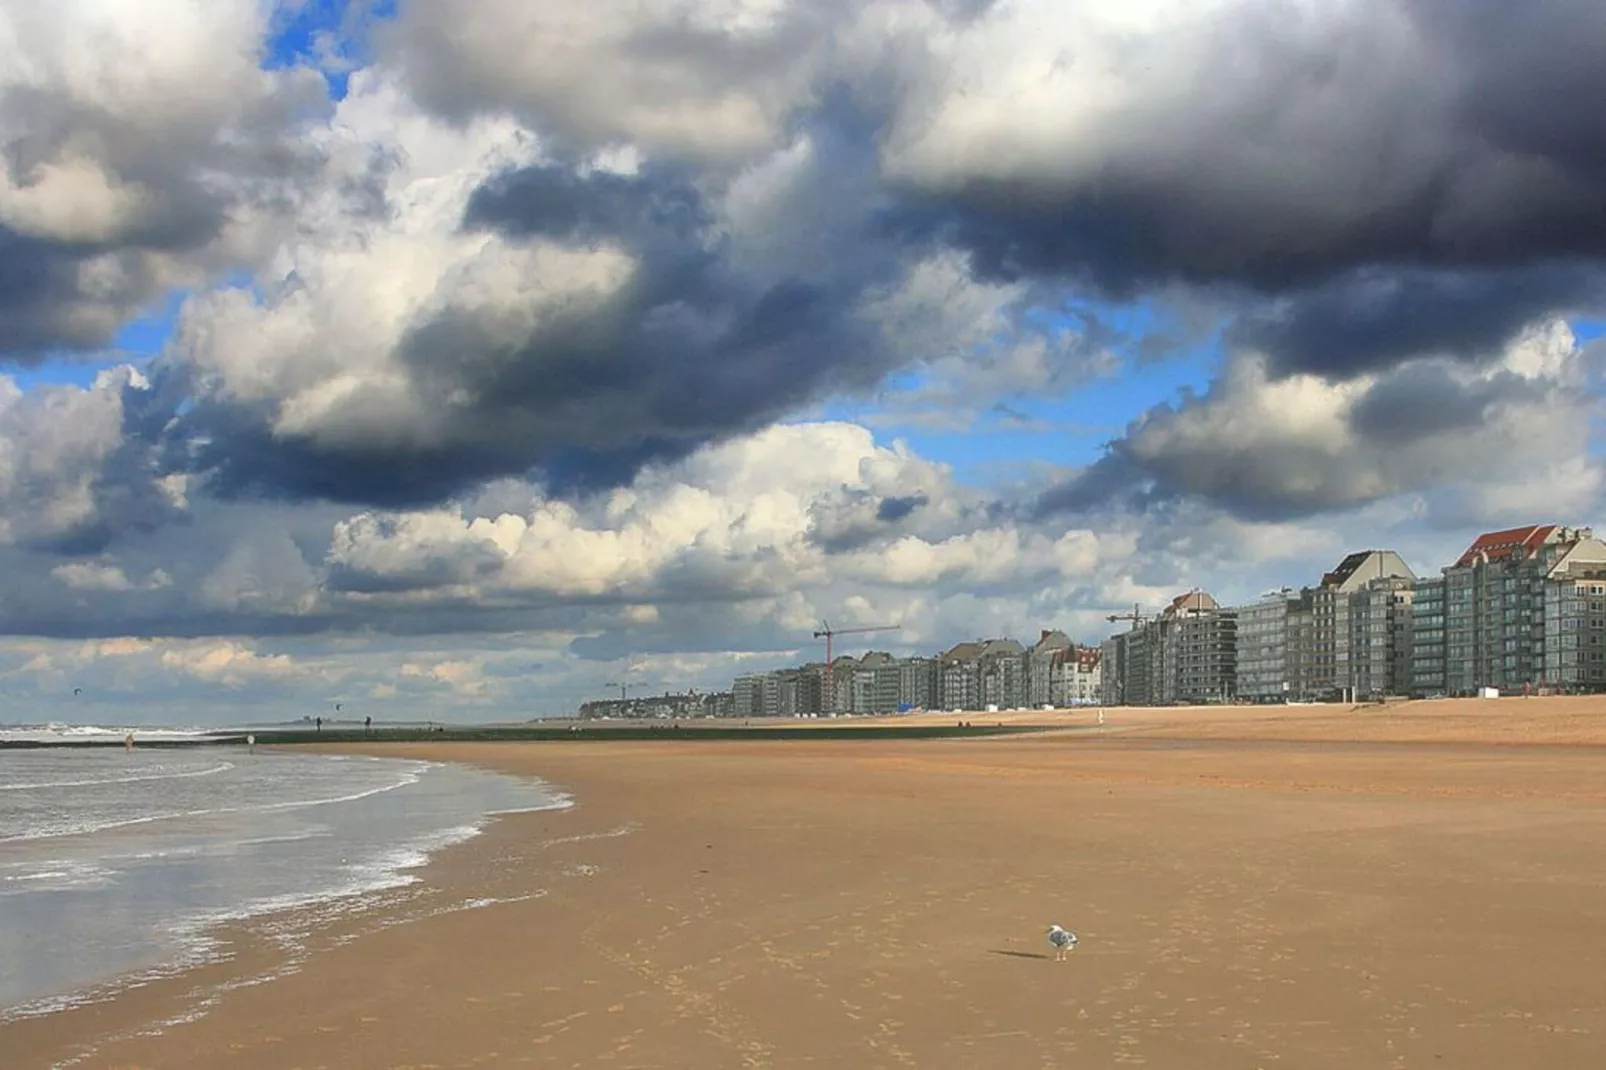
881 904
157 928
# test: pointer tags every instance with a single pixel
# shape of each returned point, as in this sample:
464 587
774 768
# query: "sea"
117 866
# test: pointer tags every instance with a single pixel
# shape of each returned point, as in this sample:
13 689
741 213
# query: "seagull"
1063 940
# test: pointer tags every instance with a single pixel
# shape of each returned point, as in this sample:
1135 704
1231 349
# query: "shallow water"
114 865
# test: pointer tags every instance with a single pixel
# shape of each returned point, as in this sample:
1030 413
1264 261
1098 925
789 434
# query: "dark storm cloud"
1375 319
82 467
694 348
1538 80
1397 205
854 519
892 510
156 186
1423 425
1112 478
556 202
43 307
1425 399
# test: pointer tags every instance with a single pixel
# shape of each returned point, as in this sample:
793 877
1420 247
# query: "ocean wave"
83 828
221 767
367 870
55 732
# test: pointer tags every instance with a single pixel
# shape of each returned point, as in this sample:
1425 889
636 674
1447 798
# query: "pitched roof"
1346 568
1194 602
1051 640
1506 545
962 652
995 648
1365 566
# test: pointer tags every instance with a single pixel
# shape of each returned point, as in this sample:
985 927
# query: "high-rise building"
1427 638
1043 662
1512 606
1325 649
1077 677
1003 674
959 677
917 683
1380 638
1186 655
1263 670
1575 631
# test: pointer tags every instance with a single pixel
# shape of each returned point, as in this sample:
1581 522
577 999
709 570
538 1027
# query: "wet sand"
1312 887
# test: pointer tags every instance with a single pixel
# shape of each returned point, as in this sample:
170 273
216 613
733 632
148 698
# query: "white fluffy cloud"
70 475
145 149
1266 446
710 79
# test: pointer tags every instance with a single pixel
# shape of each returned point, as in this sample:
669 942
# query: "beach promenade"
1410 886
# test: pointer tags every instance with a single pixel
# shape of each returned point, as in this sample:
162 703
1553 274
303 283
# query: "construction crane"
624 686
1136 616
829 634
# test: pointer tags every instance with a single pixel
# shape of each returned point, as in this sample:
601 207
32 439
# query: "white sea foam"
221 767
56 875
84 827
145 892
55 732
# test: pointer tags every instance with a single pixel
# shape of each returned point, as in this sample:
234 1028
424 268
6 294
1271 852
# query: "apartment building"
917 683
1575 632
1263 667
1515 614
877 684
969 676
1126 676
1380 638
1002 665
1078 678
1186 655
1198 651
1427 638
959 677
1349 635
1043 665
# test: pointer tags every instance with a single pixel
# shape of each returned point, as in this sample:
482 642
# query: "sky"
456 361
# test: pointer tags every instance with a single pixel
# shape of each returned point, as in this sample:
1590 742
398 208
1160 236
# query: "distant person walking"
367 723
251 744
128 742
318 724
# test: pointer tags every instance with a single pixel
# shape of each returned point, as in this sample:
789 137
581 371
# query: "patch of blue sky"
1587 330
993 437
1069 426
138 341
324 34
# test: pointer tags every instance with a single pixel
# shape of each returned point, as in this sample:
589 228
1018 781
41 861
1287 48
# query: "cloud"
228 663
1373 319
84 576
521 314
1265 447
143 149
1336 141
75 467
713 80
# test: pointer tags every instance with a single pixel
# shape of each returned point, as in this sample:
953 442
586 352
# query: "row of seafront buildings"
1520 610
997 674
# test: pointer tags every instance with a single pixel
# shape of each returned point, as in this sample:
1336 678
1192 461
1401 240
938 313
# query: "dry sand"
1307 887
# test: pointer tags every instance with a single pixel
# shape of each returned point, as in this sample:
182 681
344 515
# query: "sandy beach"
1410 886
